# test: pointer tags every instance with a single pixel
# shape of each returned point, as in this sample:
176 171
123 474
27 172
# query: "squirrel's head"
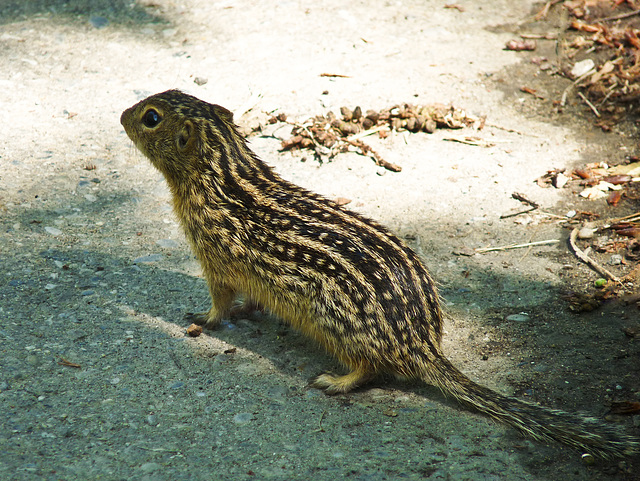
178 132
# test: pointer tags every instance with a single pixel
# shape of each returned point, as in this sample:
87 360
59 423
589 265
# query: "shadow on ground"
97 12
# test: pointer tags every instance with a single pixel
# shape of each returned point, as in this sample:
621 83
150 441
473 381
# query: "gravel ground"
99 381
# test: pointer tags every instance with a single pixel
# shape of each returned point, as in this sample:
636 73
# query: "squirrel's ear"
186 136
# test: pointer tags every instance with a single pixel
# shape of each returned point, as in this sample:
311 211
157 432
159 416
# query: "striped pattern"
339 277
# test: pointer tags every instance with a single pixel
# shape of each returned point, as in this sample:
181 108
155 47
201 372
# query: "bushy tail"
584 433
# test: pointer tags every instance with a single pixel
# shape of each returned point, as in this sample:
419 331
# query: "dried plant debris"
328 135
616 243
601 52
611 247
599 181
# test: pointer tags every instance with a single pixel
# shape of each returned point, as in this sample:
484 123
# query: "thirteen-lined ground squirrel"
338 277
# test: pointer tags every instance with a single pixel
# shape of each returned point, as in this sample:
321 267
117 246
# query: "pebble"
242 418
509 286
31 467
220 360
34 360
52 230
278 393
313 393
615 260
378 394
148 259
581 68
586 233
560 181
150 467
152 420
167 243
65 432
98 21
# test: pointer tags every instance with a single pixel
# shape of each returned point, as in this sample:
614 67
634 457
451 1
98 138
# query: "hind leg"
246 308
332 384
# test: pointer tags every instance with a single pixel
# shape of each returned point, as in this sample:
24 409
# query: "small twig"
589 104
528 250
333 75
467 140
531 91
563 100
458 7
320 428
156 450
64 362
542 14
521 198
549 214
507 216
175 360
516 246
586 259
507 129
539 36
620 16
366 150
629 218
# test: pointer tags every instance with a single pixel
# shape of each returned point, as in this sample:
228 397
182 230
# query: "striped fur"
340 278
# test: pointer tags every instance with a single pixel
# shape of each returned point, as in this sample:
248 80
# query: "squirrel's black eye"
151 118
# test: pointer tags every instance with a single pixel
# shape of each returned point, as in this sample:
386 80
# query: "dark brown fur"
340 278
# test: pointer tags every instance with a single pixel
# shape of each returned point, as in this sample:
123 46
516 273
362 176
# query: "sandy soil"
95 270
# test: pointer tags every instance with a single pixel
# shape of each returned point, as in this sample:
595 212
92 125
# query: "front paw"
203 319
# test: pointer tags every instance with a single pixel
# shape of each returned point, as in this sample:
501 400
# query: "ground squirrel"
340 278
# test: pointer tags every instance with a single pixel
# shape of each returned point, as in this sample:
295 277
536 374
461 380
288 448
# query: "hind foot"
332 384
